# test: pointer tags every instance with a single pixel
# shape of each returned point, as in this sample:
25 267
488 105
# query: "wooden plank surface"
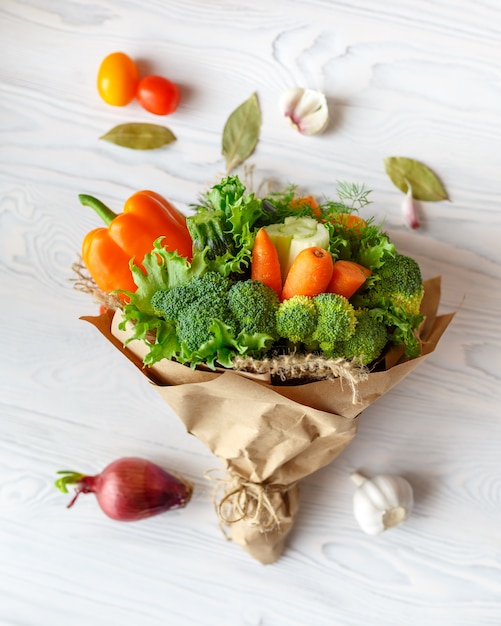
421 80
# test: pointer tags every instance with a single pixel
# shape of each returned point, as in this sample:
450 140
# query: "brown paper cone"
282 434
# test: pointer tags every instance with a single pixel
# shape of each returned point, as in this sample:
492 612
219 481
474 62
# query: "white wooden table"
416 79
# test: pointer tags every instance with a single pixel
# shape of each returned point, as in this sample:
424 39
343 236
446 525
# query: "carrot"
310 273
308 201
265 265
347 277
349 220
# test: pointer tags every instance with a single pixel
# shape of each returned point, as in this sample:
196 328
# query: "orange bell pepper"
107 251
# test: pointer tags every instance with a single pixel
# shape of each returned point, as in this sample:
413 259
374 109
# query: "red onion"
130 489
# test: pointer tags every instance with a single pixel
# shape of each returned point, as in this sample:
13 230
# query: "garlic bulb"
381 502
306 110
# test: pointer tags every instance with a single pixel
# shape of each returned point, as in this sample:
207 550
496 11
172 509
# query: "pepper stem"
105 213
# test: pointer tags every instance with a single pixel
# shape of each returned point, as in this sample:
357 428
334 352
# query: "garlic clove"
381 502
306 110
409 209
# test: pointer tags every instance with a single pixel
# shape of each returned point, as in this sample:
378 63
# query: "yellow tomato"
117 79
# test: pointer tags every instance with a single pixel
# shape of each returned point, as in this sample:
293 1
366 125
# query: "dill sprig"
353 194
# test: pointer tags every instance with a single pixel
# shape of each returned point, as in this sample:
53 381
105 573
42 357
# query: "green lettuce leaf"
236 213
225 346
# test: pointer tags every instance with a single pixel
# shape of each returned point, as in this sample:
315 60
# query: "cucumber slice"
301 225
281 241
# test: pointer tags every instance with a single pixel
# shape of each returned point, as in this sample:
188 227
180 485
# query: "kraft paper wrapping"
269 437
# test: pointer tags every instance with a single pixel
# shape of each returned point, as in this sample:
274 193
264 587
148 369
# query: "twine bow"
246 501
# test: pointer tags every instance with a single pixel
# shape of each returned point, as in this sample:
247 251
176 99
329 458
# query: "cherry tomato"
117 79
158 95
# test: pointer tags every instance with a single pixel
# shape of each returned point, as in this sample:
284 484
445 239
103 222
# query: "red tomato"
158 95
117 79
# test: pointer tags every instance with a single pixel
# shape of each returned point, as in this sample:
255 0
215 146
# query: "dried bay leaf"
139 136
241 132
405 172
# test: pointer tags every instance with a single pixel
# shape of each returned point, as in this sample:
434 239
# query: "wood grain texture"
421 80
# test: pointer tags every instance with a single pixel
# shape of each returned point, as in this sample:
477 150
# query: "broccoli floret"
194 325
254 305
170 303
367 342
336 320
396 295
210 287
399 281
297 319
195 306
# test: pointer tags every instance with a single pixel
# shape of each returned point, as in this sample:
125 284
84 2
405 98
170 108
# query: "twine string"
83 281
306 366
246 501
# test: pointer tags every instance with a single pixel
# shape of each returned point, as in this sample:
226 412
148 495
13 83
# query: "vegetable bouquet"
286 319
